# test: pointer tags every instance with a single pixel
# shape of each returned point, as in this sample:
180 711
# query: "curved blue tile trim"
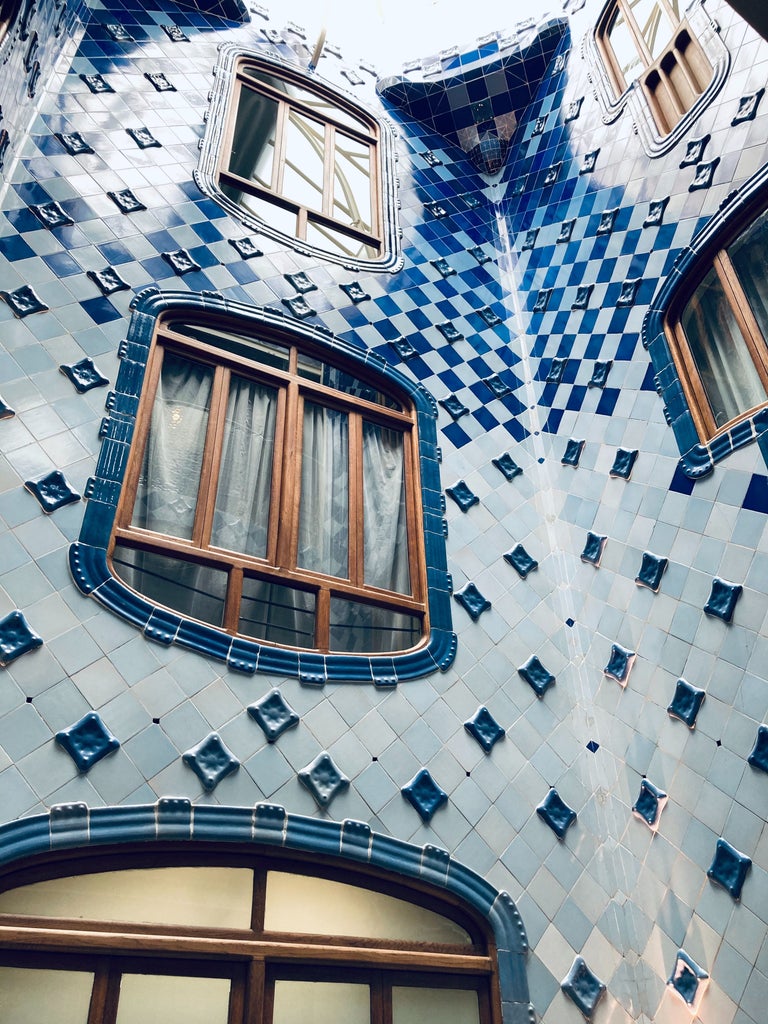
88 555
698 458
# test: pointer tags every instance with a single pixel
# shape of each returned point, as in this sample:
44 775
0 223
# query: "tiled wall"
528 374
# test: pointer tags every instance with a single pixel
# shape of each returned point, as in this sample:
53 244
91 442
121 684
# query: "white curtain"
324 515
384 518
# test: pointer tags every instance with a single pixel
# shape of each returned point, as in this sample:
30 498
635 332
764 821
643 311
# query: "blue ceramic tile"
454 407
593 747
704 174
143 138
6 412
52 491
686 703
748 107
688 980
507 465
652 569
530 239
299 307
449 332
556 813
485 729
600 373
583 294
583 987
462 495
23 301
175 33
74 143
607 221
323 779
16 637
491 318
729 868
404 348
51 215
273 714
300 281
108 280
521 561
181 262
423 793
159 81
537 677
87 741
620 664
623 463
572 453
649 804
443 267
472 601
211 761
126 201
541 303
119 33
355 292
590 162
573 109
245 247
628 292
96 83
656 210
759 756
593 548
566 230
694 151
722 599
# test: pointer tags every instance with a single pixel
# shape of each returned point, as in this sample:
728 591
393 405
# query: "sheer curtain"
384 519
324 514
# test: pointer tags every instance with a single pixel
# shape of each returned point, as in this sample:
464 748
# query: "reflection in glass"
276 613
366 628
352 184
188 588
623 46
303 174
253 142
749 255
37 996
168 999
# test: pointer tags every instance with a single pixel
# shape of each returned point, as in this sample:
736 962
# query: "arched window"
235 935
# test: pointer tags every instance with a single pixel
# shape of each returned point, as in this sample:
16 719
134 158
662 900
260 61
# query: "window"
298 160
649 42
235 937
273 493
718 333
9 10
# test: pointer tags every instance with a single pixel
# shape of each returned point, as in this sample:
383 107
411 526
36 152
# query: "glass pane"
365 628
332 377
253 140
352 183
186 587
279 614
166 495
434 1006
260 350
321 1002
730 380
319 906
168 999
749 255
336 241
241 514
384 511
304 158
623 46
323 107
195 896
324 513
654 25
271 213
32 996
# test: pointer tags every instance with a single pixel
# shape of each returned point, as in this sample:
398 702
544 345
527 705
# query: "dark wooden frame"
280 565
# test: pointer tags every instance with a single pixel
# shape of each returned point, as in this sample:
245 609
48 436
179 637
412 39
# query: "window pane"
321 1002
357 627
434 1006
324 515
196 896
271 213
319 906
749 255
168 999
279 614
352 183
241 515
31 996
332 377
384 511
654 25
166 495
269 353
336 241
304 161
253 141
623 46
190 589
730 380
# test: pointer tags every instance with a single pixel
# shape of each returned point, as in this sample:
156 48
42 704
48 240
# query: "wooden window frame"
280 566
367 133
253 959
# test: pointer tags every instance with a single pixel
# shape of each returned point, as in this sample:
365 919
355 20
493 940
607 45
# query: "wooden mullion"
290 493
211 463
416 555
278 159
323 619
238 995
356 521
112 996
253 188
100 996
381 1000
329 170
233 600
255 994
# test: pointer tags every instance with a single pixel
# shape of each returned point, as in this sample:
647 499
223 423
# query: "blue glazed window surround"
89 561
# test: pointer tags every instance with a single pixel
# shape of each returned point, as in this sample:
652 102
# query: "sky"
389 32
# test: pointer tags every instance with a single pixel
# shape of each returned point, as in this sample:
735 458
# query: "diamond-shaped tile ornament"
299 307
607 221
472 601
118 33
443 267
159 81
628 292
175 33
323 779
404 348
688 980
520 560
462 495
556 813
572 453
424 794
530 239
53 491
273 714
623 463
143 138
686 703
16 637
87 741
52 215
211 761
96 83
23 301
759 756
694 151
490 316
583 987
538 127
552 173
485 729
593 548
583 294
108 280
600 373
541 303
722 599
652 569
355 292
704 174
74 143
126 201
649 804
246 248
449 332
507 465
537 677
573 109
656 210
84 374
454 407
590 162
478 253
729 868
620 664
748 107
301 282
180 261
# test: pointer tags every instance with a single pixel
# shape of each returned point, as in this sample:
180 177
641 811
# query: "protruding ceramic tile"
119 33
443 267
530 239
556 371
126 201
620 664
301 282
491 318
556 813
573 450
23 301
424 794
479 254
52 491
180 262
566 230
686 703
485 729
245 247
51 215
537 677
583 987
16 637
590 162
454 407
211 761
593 548
96 83
143 138
541 303
6 412
748 107
472 601
323 779
159 81
583 295
507 465
108 280
607 221
694 151
175 33
437 210
299 307
649 804
573 109
520 560
355 292
652 569
84 374
498 387
404 348
688 980
600 373
462 495
553 173
759 756
432 159
722 599
449 332
624 463
628 292
87 741
74 143
704 175
729 868
273 714
656 210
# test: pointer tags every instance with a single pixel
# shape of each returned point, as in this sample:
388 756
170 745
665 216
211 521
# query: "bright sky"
390 32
